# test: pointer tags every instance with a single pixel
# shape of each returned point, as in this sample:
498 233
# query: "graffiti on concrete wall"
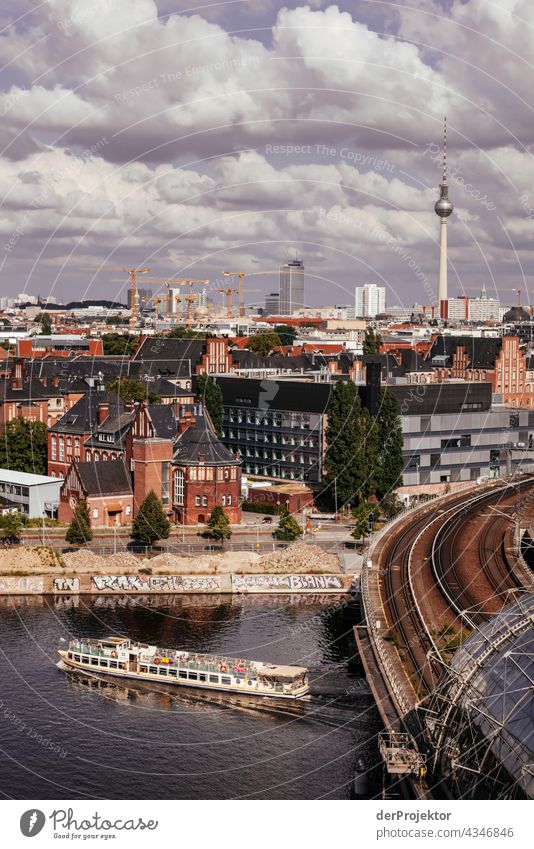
287 583
66 585
15 585
156 583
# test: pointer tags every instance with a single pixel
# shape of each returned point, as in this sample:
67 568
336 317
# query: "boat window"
214 679
122 666
143 669
201 676
113 664
77 657
172 673
85 659
225 679
182 673
69 655
154 670
103 663
193 676
94 661
163 670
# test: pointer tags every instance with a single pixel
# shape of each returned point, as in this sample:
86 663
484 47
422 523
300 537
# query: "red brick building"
106 487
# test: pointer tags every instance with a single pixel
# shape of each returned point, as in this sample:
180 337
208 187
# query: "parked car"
267 520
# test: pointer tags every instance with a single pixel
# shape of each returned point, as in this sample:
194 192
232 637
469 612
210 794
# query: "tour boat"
124 658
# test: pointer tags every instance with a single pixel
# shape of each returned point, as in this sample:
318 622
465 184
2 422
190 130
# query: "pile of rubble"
300 557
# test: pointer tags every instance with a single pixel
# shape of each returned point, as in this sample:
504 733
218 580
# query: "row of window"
14 489
164 671
270 419
62 442
279 455
277 472
271 439
202 501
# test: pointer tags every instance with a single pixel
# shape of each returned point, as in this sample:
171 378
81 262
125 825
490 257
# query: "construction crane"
228 292
240 277
169 283
134 298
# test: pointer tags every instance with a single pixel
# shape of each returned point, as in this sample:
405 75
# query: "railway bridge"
439 580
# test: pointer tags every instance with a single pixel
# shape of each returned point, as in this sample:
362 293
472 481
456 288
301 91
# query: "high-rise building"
142 294
291 287
369 300
443 208
272 304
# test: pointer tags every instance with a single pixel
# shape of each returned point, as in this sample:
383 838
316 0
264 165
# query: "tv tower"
443 207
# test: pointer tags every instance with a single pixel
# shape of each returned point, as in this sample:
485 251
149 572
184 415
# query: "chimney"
185 421
103 411
17 374
55 380
129 406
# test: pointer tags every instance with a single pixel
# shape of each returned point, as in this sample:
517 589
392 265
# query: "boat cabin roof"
116 641
274 671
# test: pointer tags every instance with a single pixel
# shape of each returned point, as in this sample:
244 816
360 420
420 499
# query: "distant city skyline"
288 150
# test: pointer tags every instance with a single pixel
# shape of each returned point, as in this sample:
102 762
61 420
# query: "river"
67 736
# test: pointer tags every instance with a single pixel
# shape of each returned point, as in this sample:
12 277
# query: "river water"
67 736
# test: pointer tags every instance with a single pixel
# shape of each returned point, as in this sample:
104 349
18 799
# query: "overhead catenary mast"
443 208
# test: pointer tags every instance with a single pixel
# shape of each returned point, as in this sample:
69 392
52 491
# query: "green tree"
371 452
23 446
182 332
372 342
344 462
46 323
218 525
263 343
365 516
286 333
116 344
79 531
210 393
151 523
130 389
390 460
391 505
11 527
288 528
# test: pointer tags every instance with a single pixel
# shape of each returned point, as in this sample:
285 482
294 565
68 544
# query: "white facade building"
291 287
369 300
33 495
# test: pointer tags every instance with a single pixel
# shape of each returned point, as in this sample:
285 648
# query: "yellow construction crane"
229 308
134 297
240 277
169 283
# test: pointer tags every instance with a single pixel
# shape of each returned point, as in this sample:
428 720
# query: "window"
77 445
54 448
214 679
95 513
182 673
225 679
113 664
163 670
179 487
201 676
87 456
223 501
77 658
94 661
172 673
128 509
85 659
204 500
143 669
103 663
434 460
165 482
193 676
463 441
197 500
154 670
61 449
414 461
229 500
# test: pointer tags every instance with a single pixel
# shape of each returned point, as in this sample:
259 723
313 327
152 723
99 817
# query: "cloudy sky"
191 136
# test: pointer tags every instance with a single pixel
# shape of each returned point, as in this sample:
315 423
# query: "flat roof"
26 478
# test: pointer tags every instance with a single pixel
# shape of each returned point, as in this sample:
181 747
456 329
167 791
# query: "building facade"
291 287
33 495
369 300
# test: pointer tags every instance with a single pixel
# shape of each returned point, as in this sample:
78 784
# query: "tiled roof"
105 478
200 445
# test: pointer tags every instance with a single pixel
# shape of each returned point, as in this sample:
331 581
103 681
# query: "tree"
210 393
365 515
288 528
371 446
390 459
345 465
46 323
11 527
116 344
286 333
263 343
391 505
185 333
23 446
132 390
79 531
372 342
151 523
218 525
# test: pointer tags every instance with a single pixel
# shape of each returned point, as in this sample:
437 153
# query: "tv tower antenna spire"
443 208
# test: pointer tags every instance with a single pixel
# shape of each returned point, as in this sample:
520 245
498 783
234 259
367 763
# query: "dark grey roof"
168 349
516 313
482 352
32 390
289 395
245 359
165 389
441 398
163 420
104 478
117 424
200 445
82 417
